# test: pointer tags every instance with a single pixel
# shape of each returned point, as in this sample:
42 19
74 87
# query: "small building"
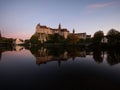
104 40
88 36
18 41
82 35
18 48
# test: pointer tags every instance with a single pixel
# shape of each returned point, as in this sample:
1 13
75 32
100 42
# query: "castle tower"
38 26
59 27
73 31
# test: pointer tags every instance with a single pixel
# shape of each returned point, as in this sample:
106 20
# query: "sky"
18 18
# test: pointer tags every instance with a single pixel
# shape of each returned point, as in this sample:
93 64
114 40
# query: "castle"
44 31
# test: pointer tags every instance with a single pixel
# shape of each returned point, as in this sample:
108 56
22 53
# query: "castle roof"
82 33
64 30
54 29
45 27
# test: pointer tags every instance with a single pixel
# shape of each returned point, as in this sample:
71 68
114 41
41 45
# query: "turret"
73 31
37 27
59 27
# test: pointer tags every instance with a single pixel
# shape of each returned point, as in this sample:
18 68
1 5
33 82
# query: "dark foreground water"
59 69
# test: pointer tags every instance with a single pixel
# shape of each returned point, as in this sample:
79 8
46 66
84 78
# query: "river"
59 69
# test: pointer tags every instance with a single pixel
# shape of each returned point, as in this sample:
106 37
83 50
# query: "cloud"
100 5
95 6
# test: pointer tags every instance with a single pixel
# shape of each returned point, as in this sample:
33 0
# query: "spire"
59 27
73 31
38 24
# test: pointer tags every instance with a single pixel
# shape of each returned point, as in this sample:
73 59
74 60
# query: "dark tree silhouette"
113 36
34 39
98 37
55 38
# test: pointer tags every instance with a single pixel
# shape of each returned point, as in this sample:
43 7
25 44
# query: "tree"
34 39
27 42
113 36
98 37
81 40
72 39
89 40
7 40
55 38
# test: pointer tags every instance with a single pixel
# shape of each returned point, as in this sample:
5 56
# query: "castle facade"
44 31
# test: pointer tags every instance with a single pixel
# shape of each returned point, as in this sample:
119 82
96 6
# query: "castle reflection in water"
45 55
59 54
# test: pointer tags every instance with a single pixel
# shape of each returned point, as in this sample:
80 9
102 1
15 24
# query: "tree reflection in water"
80 74
113 57
97 56
4 49
44 55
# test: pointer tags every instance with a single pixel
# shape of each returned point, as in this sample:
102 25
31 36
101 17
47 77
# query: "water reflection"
97 55
45 55
14 48
18 48
77 68
4 49
0 54
113 57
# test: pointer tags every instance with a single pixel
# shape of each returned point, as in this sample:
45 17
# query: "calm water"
59 69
